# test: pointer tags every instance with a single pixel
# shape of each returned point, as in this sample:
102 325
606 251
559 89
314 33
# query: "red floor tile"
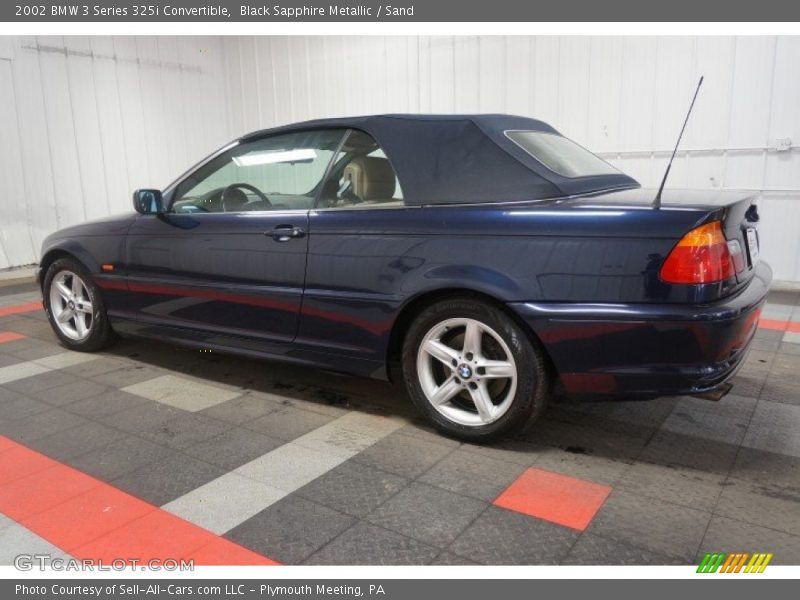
773 324
42 490
6 444
157 535
92 519
20 308
10 336
553 497
777 325
85 518
18 462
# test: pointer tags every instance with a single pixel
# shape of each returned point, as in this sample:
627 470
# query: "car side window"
281 172
361 177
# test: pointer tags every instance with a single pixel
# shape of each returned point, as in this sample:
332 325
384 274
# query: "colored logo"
738 562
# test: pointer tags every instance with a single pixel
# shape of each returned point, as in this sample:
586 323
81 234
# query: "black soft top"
453 159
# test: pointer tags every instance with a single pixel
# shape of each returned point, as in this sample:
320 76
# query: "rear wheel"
472 371
74 307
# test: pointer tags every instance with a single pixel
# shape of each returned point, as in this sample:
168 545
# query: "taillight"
702 256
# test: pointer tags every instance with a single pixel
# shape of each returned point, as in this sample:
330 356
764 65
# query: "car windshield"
561 155
272 173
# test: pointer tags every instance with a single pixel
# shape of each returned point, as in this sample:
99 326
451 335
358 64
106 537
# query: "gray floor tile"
288 423
104 364
420 429
14 405
782 390
473 475
700 423
449 559
404 455
244 409
676 449
130 374
774 428
68 393
764 504
510 450
785 297
123 455
6 360
166 479
31 348
593 437
679 485
764 467
593 549
583 466
43 381
76 441
646 414
183 430
502 537
291 529
353 488
147 415
233 448
789 348
41 424
426 513
730 535
366 544
770 344
657 526
107 403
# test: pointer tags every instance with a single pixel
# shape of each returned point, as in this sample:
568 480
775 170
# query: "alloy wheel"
467 371
71 306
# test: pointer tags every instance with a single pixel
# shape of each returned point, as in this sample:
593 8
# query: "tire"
437 364
61 294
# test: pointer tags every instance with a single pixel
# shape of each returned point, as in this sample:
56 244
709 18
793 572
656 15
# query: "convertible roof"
454 159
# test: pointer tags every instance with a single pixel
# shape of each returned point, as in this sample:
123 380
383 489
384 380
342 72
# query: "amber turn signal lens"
702 256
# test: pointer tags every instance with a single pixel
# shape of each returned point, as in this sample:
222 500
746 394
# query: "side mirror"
148 202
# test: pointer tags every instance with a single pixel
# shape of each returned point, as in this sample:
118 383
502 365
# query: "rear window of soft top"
561 155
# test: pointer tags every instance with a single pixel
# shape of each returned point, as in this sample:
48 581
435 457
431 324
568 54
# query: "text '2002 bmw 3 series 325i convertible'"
492 260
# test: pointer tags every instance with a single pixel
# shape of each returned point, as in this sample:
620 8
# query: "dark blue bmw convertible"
493 261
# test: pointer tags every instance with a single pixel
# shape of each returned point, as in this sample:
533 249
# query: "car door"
361 248
229 255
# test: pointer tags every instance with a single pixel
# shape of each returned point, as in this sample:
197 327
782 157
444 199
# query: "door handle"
284 233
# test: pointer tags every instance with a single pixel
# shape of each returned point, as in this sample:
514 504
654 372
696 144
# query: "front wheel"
472 370
74 307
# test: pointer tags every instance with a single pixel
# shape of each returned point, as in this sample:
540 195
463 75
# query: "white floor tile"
180 392
224 503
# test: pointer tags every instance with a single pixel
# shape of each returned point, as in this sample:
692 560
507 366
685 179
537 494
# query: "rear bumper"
648 349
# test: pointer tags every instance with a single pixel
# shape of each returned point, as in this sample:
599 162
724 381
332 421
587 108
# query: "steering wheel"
233 203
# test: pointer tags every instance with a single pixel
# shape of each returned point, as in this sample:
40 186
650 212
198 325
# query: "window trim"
534 157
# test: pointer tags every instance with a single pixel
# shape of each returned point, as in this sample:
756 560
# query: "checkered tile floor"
148 451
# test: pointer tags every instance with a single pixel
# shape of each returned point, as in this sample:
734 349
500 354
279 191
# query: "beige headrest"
372 178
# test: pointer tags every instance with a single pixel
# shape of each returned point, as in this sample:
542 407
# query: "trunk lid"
736 210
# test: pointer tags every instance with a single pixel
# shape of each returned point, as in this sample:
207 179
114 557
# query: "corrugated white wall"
85 120
624 98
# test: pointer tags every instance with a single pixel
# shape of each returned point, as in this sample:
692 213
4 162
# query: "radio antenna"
657 199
